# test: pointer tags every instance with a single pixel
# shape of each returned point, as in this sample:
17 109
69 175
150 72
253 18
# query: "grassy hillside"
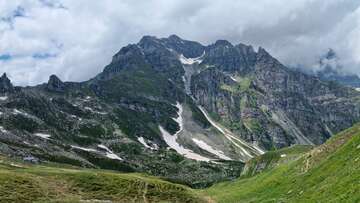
20 182
328 173
274 158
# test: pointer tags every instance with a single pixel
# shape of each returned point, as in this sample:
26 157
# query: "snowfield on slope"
203 145
143 142
84 149
171 140
43 135
190 61
232 138
110 154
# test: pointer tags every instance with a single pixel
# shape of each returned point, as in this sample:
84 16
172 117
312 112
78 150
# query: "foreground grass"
329 173
28 183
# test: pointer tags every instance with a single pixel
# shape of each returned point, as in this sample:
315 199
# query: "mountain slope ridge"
328 173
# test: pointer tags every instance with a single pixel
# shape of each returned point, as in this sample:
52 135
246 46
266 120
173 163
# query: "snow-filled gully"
232 138
171 140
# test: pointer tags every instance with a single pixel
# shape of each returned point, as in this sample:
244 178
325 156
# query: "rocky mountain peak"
262 52
264 57
189 49
147 39
126 52
175 38
331 54
245 48
5 84
55 84
331 69
223 43
150 43
128 57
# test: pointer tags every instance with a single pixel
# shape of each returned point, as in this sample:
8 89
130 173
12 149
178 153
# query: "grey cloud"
83 35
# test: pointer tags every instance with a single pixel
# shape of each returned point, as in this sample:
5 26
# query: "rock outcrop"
55 84
5 84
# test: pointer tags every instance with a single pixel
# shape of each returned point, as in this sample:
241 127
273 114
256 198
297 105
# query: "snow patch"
171 50
203 145
88 108
84 149
171 140
93 111
75 117
43 135
190 61
3 98
110 154
228 135
16 165
113 156
16 112
357 89
143 142
234 79
2 129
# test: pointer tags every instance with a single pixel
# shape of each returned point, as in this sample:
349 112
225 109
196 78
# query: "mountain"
327 173
174 108
331 69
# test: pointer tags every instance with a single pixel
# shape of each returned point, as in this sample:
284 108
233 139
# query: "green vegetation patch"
242 85
30 183
329 173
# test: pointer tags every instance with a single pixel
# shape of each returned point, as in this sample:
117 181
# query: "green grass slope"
274 158
328 173
21 182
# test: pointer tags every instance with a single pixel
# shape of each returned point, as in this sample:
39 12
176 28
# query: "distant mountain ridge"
163 103
330 69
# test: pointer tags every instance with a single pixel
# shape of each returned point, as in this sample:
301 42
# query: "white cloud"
81 36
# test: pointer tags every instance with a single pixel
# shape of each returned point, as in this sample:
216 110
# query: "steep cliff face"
5 84
269 104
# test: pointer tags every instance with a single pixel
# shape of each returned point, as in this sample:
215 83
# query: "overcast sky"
75 39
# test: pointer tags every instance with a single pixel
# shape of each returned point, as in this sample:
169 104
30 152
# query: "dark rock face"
273 105
189 49
55 84
5 84
160 58
239 58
